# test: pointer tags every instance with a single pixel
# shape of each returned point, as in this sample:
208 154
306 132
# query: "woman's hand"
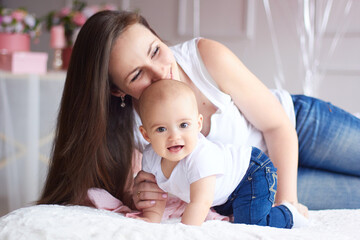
146 192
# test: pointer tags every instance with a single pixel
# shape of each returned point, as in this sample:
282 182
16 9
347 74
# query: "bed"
78 222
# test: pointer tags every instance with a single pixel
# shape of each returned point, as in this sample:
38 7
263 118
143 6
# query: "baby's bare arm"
201 199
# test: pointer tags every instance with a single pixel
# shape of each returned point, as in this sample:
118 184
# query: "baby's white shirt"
227 162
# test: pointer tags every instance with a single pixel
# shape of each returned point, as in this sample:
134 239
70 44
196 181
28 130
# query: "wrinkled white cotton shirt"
227 162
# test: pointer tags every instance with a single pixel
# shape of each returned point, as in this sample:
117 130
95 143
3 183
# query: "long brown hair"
94 139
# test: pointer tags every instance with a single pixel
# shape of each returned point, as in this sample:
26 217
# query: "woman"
117 55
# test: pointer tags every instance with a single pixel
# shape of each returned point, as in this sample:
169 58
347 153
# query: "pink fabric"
102 199
175 208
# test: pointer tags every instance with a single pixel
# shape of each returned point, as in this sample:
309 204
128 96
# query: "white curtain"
28 111
317 35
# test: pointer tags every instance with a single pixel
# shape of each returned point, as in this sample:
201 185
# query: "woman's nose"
158 73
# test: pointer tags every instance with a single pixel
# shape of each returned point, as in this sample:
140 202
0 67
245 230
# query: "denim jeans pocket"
271 177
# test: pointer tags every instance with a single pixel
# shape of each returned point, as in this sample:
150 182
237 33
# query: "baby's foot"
299 219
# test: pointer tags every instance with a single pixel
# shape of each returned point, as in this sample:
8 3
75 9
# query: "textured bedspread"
75 222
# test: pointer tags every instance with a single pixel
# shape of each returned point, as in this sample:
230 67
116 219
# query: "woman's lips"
170 76
176 148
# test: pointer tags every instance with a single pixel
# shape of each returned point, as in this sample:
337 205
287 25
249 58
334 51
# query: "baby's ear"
200 122
144 133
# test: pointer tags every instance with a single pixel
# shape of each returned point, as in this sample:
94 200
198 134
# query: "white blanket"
76 222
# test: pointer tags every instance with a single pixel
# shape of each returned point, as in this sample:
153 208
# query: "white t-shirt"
227 162
228 125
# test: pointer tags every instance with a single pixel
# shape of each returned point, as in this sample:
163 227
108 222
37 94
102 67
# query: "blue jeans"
329 155
251 202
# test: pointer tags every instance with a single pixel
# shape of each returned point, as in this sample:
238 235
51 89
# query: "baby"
238 180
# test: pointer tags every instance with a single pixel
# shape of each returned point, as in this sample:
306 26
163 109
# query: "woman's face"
139 58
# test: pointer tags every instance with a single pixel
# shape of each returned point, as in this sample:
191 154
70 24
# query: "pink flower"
18 15
65 11
79 19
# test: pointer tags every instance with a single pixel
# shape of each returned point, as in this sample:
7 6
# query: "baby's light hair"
164 90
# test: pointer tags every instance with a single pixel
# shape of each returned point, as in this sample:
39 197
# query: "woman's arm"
261 108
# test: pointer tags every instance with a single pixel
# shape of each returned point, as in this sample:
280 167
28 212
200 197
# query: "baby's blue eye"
161 129
184 125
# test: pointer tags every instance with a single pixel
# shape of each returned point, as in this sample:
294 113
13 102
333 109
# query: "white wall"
243 26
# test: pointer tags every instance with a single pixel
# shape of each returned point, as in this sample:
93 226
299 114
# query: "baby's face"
172 127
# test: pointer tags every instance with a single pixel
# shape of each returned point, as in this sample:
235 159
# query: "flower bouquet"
17 26
72 18
19 21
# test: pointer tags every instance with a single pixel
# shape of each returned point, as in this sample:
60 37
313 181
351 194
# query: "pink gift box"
24 62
